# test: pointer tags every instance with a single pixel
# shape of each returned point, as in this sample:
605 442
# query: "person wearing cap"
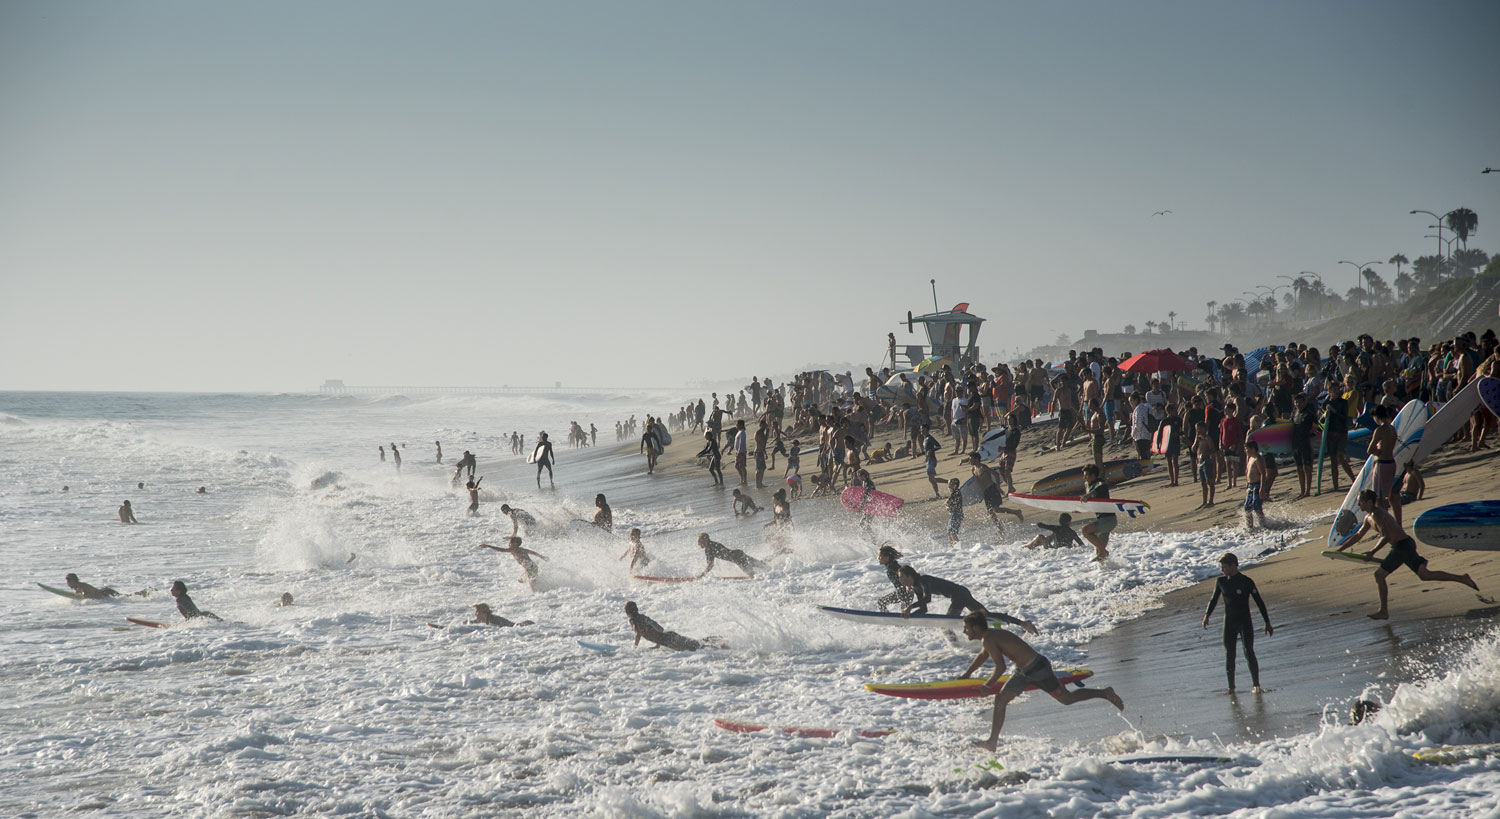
1238 590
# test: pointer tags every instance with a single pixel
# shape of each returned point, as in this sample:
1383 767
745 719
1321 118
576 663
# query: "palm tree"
1357 297
1171 319
1231 315
1468 261
1398 260
1212 316
1380 292
1428 271
1405 286
1462 222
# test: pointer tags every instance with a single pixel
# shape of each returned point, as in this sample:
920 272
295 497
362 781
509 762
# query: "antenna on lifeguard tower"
935 308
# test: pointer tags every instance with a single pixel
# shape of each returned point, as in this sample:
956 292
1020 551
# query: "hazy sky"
261 195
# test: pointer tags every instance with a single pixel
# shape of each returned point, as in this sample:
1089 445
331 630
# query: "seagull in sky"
1160 212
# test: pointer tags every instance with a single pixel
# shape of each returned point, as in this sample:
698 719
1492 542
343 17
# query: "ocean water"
349 703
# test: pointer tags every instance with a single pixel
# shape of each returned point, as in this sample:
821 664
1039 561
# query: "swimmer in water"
522 556
185 604
87 592
127 515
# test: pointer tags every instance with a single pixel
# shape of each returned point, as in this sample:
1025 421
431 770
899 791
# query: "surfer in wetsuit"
87 592
714 550
1237 590
1061 535
1098 531
519 519
891 560
714 456
636 551
543 457
185 604
1403 550
1031 669
522 556
604 518
651 446
923 586
484 617
650 630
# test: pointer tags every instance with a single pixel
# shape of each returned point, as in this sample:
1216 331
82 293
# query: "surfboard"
1473 525
879 503
1063 503
655 579
738 727
60 592
1186 759
1357 557
992 444
970 492
1163 438
963 689
1069 482
1489 393
1453 754
1410 424
1446 422
602 648
894 618
663 434
146 623
1277 438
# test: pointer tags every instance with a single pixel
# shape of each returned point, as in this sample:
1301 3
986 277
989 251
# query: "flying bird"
1160 212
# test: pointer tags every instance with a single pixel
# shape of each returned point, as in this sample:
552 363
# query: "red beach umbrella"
1155 361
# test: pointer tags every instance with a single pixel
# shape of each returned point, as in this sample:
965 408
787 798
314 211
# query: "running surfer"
650 630
989 483
1031 669
891 560
522 556
1238 590
519 519
923 586
714 550
1403 550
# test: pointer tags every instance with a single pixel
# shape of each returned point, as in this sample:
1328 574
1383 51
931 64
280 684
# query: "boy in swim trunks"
1206 453
1255 485
1403 551
522 556
1031 669
1383 449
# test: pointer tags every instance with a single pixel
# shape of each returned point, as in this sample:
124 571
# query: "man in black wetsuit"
714 550
924 586
645 627
185 604
1237 590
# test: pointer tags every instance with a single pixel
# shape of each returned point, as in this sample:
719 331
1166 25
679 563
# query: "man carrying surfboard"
1098 531
543 457
989 482
1032 668
1403 551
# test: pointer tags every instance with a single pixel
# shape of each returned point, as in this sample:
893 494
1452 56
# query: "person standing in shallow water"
127 515
544 457
1238 590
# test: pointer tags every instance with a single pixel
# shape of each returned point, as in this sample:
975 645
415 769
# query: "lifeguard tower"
944 336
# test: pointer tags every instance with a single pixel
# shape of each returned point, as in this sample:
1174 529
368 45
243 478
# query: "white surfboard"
992 444
1446 422
1410 424
1073 505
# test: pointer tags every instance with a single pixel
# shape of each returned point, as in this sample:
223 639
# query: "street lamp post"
1359 270
1322 299
1439 220
1296 292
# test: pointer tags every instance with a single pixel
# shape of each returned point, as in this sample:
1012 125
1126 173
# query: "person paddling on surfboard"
651 631
1031 669
1238 590
1403 551
714 550
522 556
484 617
185 604
923 586
86 591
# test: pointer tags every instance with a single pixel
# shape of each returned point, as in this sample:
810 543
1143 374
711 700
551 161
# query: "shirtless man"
762 438
522 556
519 519
1403 551
484 617
989 483
604 517
1206 453
1256 478
1383 449
87 592
473 487
1063 397
185 605
714 550
127 515
1032 668
650 630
